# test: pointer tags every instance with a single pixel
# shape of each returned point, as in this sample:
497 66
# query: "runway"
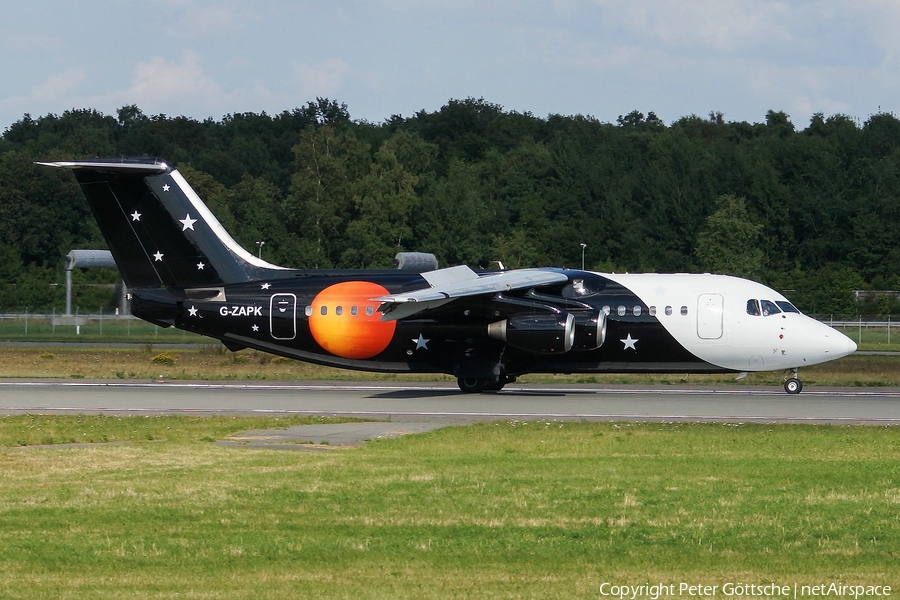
416 402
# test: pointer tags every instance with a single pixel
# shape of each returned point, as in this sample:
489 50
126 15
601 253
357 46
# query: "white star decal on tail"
166 187
255 328
158 256
200 266
193 311
266 286
629 343
421 342
188 222
135 216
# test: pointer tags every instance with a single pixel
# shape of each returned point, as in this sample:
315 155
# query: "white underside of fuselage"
708 316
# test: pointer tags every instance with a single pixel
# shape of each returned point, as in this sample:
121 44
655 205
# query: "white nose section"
816 343
839 344
844 345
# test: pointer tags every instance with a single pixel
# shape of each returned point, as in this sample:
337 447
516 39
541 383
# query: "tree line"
813 212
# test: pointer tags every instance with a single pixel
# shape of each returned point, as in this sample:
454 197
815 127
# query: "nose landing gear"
793 385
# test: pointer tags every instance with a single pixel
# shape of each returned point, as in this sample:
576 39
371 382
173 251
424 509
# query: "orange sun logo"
345 322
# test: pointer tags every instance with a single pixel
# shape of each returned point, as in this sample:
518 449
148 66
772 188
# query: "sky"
602 58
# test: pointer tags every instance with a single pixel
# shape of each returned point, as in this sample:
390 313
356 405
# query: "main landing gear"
793 385
474 385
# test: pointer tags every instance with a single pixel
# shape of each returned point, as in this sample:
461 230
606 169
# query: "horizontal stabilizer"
111 166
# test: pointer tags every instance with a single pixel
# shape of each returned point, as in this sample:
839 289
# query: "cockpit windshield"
786 306
767 307
753 307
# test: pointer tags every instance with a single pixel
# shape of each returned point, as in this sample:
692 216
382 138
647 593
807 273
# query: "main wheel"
491 386
793 386
471 385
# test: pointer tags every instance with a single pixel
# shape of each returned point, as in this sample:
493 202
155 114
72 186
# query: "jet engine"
418 262
590 331
552 333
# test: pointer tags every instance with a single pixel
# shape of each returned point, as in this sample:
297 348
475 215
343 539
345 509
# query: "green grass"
38 429
505 510
214 362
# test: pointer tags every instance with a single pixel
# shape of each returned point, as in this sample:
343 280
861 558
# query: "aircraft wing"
461 282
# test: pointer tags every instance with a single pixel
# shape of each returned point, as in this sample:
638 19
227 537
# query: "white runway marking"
443 402
535 389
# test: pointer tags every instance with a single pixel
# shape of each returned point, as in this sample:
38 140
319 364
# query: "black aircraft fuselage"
332 318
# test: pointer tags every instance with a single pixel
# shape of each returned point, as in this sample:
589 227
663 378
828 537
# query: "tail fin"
159 231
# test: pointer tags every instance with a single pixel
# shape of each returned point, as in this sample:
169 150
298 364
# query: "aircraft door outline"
283 316
710 315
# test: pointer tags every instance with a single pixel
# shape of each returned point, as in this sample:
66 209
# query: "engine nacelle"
590 331
418 262
540 334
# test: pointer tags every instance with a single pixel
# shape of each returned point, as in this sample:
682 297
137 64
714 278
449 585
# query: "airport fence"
99 325
878 331
22 325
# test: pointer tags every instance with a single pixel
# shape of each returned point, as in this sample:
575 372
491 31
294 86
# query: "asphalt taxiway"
443 403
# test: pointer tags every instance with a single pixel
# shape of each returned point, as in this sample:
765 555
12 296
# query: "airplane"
486 328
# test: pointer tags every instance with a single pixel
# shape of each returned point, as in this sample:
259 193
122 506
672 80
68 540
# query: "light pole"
583 246
260 244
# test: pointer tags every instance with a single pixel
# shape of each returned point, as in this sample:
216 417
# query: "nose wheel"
793 385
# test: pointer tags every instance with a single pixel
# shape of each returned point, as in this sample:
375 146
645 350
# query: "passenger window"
308 311
606 309
339 310
769 308
668 311
636 311
652 311
753 307
622 310
684 311
324 310
370 311
354 311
